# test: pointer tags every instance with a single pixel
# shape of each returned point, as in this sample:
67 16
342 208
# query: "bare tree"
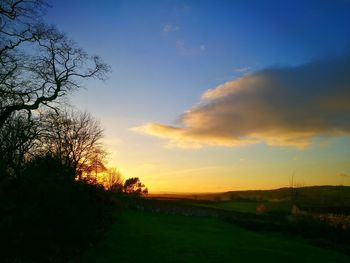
22 10
75 139
113 180
18 23
39 64
18 138
94 166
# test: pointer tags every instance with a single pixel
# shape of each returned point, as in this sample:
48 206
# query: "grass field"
319 199
248 207
245 207
154 237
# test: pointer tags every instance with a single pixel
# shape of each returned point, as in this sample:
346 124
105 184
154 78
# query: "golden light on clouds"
279 106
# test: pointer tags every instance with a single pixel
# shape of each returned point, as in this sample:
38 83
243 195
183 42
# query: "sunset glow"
205 97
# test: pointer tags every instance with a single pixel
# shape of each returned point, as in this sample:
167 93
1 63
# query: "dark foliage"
133 186
47 216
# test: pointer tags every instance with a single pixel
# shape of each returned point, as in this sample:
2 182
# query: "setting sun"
204 101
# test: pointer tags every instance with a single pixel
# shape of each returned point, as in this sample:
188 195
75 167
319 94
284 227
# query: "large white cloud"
280 106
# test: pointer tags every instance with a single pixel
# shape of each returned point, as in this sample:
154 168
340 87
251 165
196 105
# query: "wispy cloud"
170 28
343 175
243 70
180 43
279 106
182 46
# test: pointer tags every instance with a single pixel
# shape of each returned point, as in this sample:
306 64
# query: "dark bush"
48 216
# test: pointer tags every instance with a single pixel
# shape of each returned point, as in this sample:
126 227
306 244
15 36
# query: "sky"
212 96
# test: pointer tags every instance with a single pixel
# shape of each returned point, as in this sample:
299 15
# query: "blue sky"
165 55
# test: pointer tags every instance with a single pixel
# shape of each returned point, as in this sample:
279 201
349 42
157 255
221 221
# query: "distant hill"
318 198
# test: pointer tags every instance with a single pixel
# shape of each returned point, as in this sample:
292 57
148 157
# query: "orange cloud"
279 106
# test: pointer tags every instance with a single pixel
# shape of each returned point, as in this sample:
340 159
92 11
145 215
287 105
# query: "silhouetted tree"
48 215
113 180
75 139
20 11
94 166
18 138
39 64
134 186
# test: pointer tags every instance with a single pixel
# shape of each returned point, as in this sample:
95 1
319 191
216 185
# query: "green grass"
150 237
247 207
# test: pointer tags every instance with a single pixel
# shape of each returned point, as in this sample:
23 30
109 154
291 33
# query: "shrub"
47 216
